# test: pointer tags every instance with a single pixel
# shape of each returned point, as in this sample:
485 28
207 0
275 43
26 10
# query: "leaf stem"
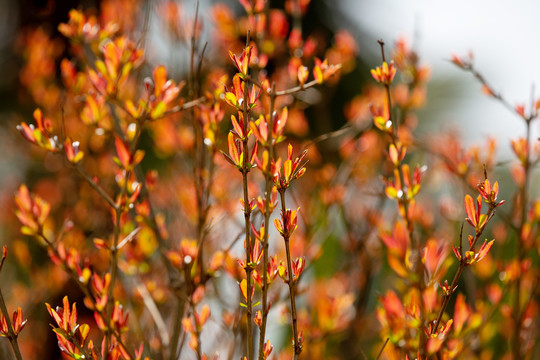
268 199
290 282
462 264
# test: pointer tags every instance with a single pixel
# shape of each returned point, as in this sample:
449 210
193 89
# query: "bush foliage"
204 213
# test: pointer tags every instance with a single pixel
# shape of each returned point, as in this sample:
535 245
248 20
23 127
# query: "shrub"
206 217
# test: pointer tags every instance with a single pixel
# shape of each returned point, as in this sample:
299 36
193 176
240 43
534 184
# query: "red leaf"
122 151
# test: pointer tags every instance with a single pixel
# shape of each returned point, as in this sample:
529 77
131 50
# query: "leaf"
318 75
278 225
393 154
482 220
484 250
187 324
237 126
397 265
456 252
233 150
137 157
287 169
158 110
204 314
231 99
461 313
131 109
160 78
470 211
243 288
391 192
302 75
100 243
27 132
54 314
100 66
123 152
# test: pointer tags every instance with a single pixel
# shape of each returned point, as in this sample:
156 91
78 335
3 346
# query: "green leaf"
158 110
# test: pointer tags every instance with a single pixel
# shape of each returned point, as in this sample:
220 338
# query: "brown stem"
191 289
177 329
518 313
247 222
96 187
249 246
388 97
268 199
382 349
482 80
462 264
119 209
202 185
113 267
296 89
198 168
403 201
291 282
113 249
521 251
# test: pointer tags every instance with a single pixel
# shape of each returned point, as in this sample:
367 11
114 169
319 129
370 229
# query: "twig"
247 221
290 282
382 349
388 97
268 199
403 202
154 312
94 184
462 264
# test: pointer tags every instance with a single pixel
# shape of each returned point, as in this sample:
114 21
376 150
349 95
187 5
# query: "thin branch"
290 282
268 199
154 312
94 184
462 265
382 349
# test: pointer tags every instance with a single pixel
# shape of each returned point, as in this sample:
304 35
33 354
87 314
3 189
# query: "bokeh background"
502 35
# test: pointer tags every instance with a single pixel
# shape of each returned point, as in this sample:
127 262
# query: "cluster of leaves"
139 209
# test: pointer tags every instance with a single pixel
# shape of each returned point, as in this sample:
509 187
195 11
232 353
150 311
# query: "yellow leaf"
243 288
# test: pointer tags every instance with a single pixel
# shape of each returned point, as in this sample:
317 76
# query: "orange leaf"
484 249
233 150
318 75
243 288
302 75
470 210
160 78
122 151
204 315
461 313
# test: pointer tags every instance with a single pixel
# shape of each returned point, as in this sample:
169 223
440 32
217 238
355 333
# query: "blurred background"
503 36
